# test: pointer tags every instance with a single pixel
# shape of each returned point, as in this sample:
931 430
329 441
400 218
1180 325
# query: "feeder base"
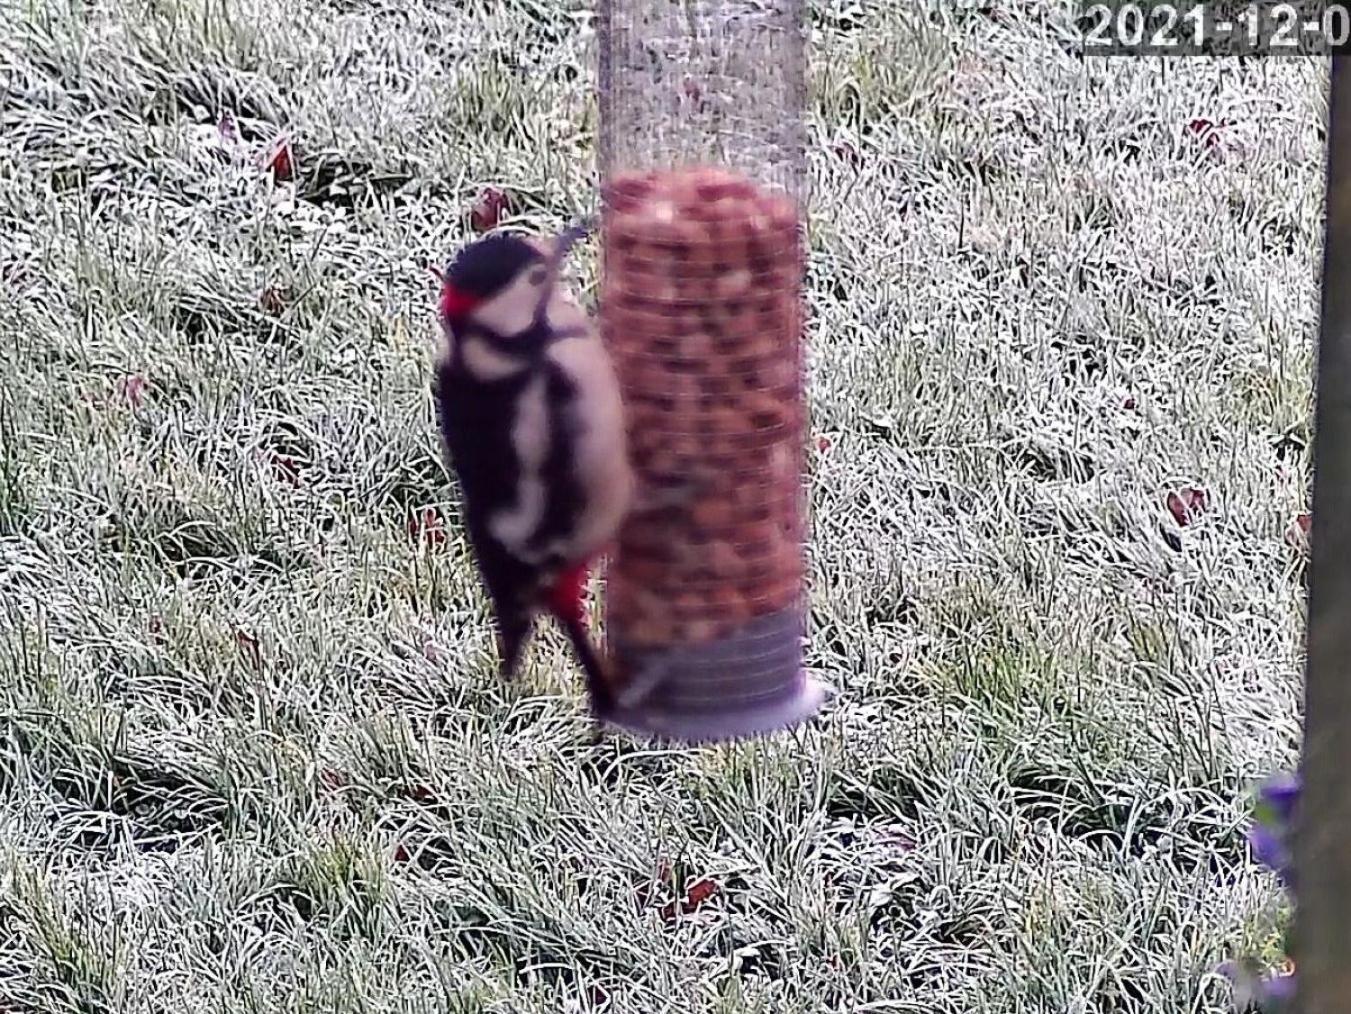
749 685
699 730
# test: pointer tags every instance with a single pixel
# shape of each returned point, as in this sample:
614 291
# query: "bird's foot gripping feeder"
701 309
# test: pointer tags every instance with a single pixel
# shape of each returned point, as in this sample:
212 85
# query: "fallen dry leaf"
132 389
332 779
695 895
1297 534
273 301
846 151
489 209
248 646
284 467
279 159
425 526
1207 132
1187 504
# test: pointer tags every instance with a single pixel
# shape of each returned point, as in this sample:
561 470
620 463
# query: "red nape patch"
565 597
456 304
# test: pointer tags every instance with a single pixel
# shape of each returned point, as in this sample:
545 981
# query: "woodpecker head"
500 281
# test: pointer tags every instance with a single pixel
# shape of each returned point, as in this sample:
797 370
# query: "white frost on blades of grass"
231 682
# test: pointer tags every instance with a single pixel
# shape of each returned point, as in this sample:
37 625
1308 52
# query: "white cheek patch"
512 310
530 439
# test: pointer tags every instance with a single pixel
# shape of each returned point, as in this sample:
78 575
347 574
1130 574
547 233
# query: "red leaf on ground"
847 152
248 646
401 854
273 301
132 389
1297 534
425 526
285 468
280 159
695 895
1187 504
1207 131
332 779
489 209
698 893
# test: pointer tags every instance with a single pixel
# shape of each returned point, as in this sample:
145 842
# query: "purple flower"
1280 795
1278 990
1255 993
1269 836
1269 849
1273 815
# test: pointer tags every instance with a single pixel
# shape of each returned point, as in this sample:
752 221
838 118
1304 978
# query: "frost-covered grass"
252 753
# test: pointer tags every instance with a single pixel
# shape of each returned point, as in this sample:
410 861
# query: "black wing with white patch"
564 497
476 420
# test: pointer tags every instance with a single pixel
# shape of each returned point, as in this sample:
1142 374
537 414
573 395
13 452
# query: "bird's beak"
557 249
563 245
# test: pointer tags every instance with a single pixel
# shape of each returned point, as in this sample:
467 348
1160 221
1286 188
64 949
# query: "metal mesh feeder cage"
701 308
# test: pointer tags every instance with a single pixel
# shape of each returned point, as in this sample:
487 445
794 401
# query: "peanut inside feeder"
702 311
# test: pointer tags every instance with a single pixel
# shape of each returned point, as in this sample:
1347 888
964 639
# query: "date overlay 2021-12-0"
1305 28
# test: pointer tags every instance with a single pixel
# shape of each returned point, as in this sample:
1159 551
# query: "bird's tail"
599 688
513 633
564 602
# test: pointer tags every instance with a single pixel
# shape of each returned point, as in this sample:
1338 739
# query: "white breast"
601 452
530 438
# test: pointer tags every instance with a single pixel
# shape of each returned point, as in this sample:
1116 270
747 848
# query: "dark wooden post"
1322 841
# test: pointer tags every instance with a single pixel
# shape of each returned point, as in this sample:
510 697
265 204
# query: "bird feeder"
703 179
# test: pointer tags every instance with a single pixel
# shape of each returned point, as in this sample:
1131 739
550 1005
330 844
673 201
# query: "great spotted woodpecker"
532 425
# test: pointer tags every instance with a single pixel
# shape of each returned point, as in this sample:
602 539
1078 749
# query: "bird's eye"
537 276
